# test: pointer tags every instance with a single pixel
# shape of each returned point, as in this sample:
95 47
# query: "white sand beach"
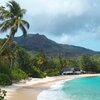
30 89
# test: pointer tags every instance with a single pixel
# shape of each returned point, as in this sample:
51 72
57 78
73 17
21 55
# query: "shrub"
4 79
37 73
52 72
18 74
5 70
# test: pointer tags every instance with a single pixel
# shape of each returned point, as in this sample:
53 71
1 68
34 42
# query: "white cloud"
66 21
80 38
53 7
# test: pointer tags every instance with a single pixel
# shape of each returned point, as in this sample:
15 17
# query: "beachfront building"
71 71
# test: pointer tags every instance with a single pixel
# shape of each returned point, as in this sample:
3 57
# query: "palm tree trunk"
1 49
4 45
10 62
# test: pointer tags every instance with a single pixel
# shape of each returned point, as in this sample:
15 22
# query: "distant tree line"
16 63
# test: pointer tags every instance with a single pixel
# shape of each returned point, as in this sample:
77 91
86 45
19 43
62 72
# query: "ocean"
87 88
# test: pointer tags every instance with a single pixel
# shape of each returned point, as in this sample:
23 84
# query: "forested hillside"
35 42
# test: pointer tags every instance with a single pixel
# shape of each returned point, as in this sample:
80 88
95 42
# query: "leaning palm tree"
12 19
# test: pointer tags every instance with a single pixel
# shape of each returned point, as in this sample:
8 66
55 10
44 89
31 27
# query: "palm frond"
23 11
26 24
4 14
15 19
23 29
11 9
15 9
4 26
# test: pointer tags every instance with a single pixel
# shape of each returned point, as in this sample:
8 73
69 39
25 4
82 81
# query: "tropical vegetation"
12 19
16 63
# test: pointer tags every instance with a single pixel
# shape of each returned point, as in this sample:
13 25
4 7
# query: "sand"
29 90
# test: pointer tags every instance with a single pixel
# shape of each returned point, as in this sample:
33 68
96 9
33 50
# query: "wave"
86 88
54 93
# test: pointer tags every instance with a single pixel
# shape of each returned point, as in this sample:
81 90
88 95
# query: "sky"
73 22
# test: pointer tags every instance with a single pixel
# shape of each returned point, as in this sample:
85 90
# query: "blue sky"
74 22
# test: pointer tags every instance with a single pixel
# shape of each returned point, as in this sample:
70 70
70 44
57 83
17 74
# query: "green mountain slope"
35 42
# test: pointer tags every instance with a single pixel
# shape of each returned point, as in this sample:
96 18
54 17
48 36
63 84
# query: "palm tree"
10 53
12 19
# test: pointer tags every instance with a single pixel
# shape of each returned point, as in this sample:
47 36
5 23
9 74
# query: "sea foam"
54 93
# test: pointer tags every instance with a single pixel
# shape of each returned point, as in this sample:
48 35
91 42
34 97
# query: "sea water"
77 89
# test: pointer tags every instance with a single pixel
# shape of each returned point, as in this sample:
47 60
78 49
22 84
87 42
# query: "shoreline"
32 88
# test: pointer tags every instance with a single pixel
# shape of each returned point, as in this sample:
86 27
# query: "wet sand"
31 92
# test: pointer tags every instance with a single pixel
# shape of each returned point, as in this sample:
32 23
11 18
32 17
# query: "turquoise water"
82 89
77 89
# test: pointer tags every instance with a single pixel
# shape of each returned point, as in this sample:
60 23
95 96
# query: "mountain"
35 42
